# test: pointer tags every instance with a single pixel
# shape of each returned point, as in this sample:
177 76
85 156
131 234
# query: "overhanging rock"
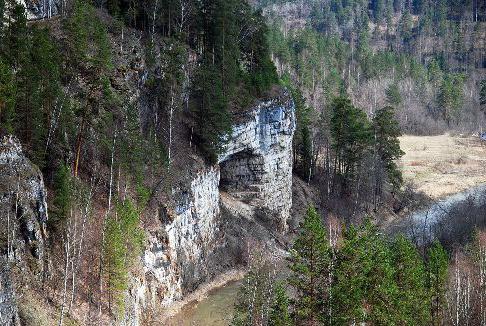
256 164
190 246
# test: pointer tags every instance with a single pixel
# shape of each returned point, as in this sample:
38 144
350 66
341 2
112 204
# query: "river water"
421 225
437 210
214 310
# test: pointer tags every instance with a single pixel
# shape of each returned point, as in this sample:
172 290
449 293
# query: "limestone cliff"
23 207
23 215
8 306
202 233
42 9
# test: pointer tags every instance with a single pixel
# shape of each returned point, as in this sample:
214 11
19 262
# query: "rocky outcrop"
256 165
195 241
23 207
9 315
42 9
23 215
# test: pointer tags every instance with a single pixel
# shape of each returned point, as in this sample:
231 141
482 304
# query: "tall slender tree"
309 264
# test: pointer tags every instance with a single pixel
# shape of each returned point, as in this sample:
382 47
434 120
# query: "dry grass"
443 165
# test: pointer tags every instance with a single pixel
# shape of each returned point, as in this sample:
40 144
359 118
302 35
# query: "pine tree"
482 92
7 99
123 243
62 193
279 313
261 69
309 264
387 131
302 138
364 289
351 135
16 36
451 96
437 264
393 96
412 300
212 119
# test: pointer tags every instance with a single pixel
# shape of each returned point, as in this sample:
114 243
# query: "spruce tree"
279 313
387 144
437 264
309 264
412 305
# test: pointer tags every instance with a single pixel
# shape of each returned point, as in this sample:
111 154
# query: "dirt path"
443 165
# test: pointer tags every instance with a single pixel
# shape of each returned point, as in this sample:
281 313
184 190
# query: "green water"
215 310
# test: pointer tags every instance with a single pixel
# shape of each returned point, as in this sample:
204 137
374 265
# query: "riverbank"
177 313
443 165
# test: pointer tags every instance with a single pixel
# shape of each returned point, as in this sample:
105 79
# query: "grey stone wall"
8 307
23 216
255 167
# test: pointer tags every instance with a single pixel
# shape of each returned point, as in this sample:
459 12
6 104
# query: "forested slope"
423 59
118 103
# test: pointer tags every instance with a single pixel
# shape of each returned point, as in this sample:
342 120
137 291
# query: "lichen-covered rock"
23 207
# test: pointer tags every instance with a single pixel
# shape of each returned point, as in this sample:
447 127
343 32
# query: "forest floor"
443 165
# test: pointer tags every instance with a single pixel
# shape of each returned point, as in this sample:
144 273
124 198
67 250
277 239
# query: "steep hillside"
165 147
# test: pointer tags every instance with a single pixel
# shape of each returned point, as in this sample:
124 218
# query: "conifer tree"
387 131
393 96
351 135
450 96
482 92
309 264
279 313
62 193
412 298
302 137
16 35
364 289
7 99
123 242
437 264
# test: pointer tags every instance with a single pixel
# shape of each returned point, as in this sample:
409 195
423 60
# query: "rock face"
192 245
23 214
256 166
42 9
23 207
8 306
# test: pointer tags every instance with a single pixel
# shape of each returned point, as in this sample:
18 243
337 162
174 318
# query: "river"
216 309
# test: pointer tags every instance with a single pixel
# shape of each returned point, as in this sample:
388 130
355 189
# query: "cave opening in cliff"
242 176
